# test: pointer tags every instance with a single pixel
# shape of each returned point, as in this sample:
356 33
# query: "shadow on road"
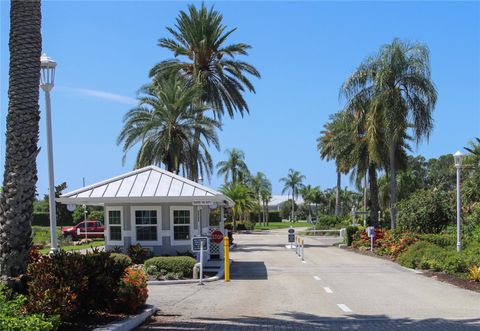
251 270
301 321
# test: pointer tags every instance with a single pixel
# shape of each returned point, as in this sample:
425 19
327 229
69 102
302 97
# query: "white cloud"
101 95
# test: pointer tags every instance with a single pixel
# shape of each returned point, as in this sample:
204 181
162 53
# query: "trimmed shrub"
69 283
422 255
124 260
443 240
180 264
13 317
351 231
331 222
425 211
132 291
138 254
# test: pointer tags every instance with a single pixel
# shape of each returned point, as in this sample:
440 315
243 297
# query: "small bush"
425 211
124 260
351 231
132 291
422 255
13 317
138 254
180 264
474 274
443 240
68 283
331 222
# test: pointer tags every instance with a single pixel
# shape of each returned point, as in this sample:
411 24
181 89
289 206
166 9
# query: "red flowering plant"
363 240
132 292
394 243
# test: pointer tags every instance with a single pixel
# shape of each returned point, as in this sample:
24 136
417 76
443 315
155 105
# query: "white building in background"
277 201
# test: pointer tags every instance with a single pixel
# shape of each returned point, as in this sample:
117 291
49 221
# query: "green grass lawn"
41 236
281 225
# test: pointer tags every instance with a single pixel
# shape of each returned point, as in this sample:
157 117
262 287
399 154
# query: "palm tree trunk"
20 176
393 187
374 205
337 194
365 198
293 204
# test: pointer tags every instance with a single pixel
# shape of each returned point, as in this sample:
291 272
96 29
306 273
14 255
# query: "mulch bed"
456 280
90 322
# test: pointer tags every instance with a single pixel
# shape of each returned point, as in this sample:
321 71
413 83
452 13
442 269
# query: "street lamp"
458 156
47 77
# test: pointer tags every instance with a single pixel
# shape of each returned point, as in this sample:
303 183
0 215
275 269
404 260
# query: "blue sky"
304 51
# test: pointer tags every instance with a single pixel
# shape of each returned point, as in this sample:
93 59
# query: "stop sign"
217 236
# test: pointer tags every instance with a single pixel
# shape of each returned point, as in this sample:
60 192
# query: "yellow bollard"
226 260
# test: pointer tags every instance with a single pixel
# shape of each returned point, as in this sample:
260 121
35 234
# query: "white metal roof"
149 184
277 200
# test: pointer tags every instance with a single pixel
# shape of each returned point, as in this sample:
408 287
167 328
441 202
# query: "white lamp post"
458 156
47 77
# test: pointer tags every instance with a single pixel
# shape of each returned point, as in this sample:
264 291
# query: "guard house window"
146 225
181 225
115 225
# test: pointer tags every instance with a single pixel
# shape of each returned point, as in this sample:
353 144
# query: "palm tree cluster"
389 101
180 111
249 192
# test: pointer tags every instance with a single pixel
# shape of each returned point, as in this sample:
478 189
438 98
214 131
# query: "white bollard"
201 263
303 252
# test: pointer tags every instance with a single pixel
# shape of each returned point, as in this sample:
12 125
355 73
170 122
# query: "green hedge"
43 219
351 231
172 264
273 216
122 259
331 222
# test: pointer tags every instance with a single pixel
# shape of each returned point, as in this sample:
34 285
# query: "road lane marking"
328 290
304 261
317 278
344 307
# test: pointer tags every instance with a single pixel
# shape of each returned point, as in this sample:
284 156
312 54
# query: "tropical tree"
243 198
317 198
292 183
307 193
332 145
20 171
398 82
165 123
234 167
266 196
203 57
258 184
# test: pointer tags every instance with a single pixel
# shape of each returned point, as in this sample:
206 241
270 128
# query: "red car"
94 229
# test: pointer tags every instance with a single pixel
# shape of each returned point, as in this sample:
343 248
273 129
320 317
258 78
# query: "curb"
218 276
131 322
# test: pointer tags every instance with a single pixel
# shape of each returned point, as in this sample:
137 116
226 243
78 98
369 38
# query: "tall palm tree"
164 124
292 183
202 56
234 167
307 193
332 145
266 196
243 198
318 198
20 174
258 184
398 82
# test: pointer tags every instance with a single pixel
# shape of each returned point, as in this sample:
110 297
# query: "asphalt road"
272 289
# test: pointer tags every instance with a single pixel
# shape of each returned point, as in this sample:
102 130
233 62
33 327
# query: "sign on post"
197 244
371 235
216 236
291 236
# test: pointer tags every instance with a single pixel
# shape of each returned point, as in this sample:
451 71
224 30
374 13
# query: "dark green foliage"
274 216
351 231
331 222
425 211
41 219
174 264
122 259
426 255
138 254
442 239
71 283
13 317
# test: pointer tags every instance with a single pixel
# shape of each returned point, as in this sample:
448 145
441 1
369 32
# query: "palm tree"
317 197
307 192
258 184
202 56
266 196
20 173
234 167
332 145
164 124
292 183
398 82
243 198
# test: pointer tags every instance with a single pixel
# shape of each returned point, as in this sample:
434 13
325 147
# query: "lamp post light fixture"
458 157
47 78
